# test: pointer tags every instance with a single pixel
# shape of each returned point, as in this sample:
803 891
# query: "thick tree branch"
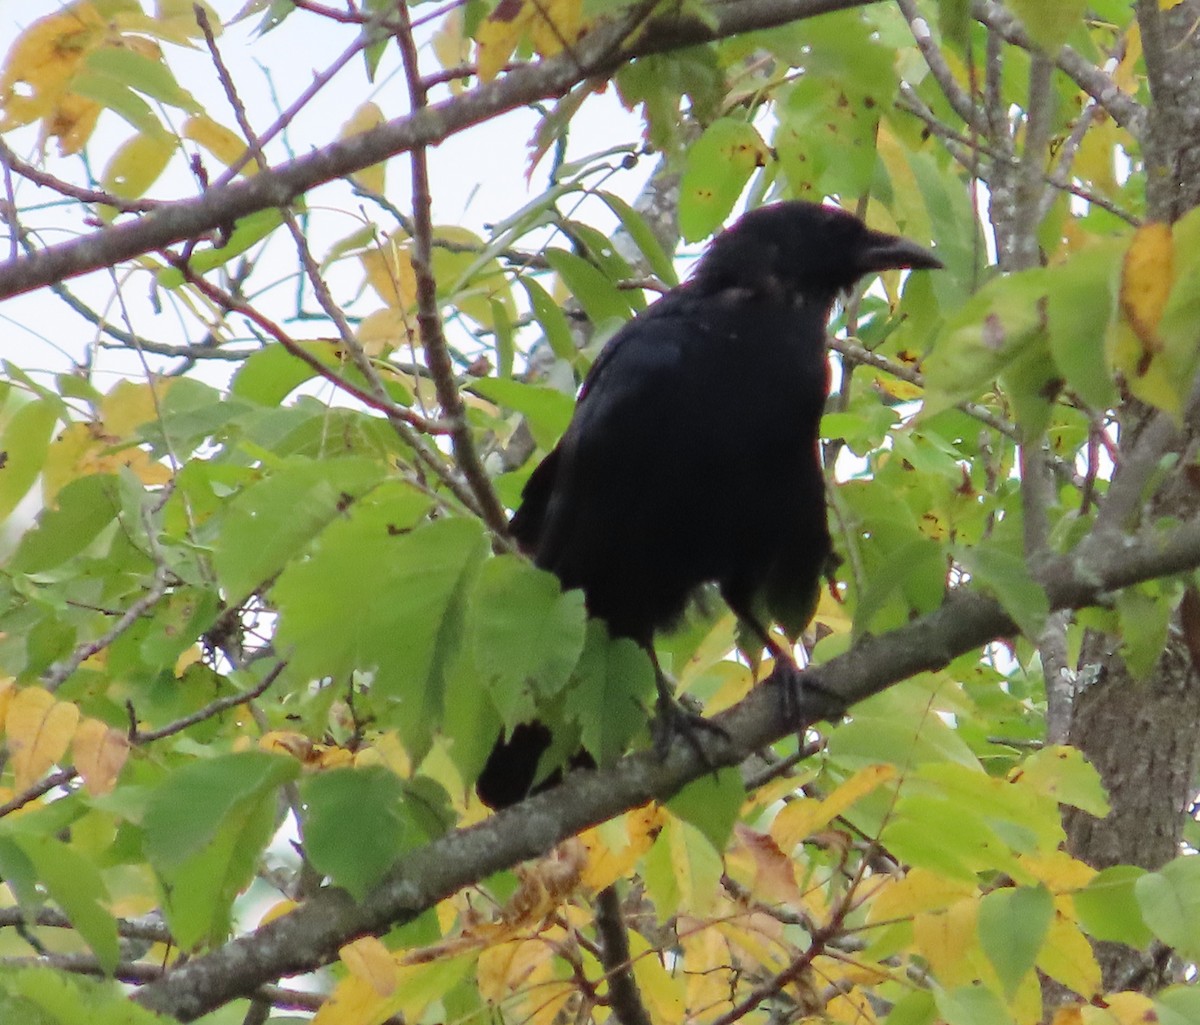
311 935
599 53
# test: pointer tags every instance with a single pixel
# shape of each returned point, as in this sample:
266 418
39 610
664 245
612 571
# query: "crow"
692 456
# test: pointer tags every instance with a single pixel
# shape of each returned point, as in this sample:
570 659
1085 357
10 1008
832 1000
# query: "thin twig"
429 320
214 708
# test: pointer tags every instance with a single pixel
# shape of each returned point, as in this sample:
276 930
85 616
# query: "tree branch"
310 936
598 53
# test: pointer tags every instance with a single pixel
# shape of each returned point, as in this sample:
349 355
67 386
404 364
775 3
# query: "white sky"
478 176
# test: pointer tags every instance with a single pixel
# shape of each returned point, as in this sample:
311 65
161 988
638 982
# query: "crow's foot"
795 685
674 719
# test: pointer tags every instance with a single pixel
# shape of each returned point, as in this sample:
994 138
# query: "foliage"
259 625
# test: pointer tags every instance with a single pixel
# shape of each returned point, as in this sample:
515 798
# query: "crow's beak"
887 252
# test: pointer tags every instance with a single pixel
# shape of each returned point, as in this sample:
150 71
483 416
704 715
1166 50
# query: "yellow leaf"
498 36
450 45
1067 957
277 910
137 164
130 404
390 271
227 146
1058 870
706 963
39 731
802 818
662 992
1122 1009
38 72
384 330
774 878
1072 1015
1146 278
613 848
367 116
756 938
853 1008
372 962
945 939
1126 76
555 25
99 753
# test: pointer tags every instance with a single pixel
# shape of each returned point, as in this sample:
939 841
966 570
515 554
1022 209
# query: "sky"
477 177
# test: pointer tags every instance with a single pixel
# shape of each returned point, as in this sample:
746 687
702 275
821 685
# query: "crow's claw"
793 682
674 719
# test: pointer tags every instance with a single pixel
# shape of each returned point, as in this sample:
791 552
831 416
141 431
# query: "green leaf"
916 1007
601 300
546 410
113 94
526 633
1081 301
972 1005
1170 903
608 696
682 870
272 520
1108 908
718 166
711 804
82 509
247 231
187 811
1049 25
634 223
1012 928
552 320
1178 1005
397 595
150 77
339 842
1005 575
23 446
205 828
1065 775
985 337
1145 619
74 883
47 996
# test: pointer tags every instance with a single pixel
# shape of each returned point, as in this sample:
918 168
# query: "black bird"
692 456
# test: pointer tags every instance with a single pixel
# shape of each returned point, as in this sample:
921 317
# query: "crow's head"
804 248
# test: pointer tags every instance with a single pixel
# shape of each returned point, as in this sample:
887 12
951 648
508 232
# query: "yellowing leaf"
498 36
384 330
944 938
277 910
612 856
774 875
39 70
365 117
662 991
130 404
137 164
1058 870
39 730
227 146
1146 279
802 818
99 753
1122 1009
556 24
853 1008
368 959
1067 957
390 271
